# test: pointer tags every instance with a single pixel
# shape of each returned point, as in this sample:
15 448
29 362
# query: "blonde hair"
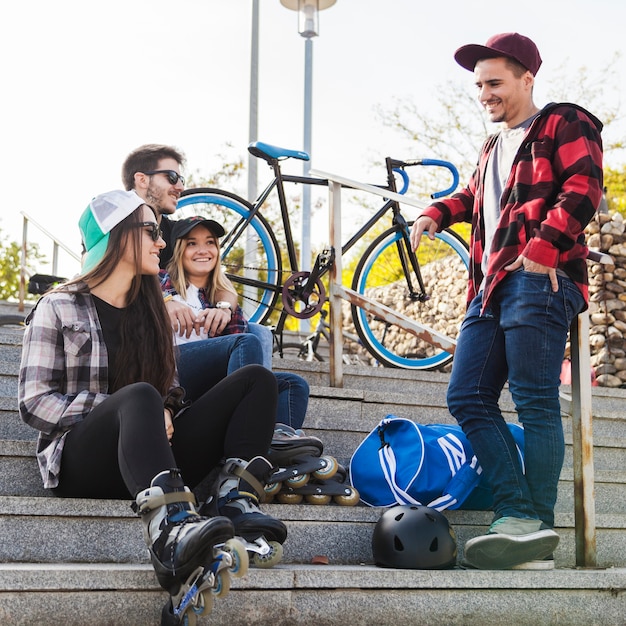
216 281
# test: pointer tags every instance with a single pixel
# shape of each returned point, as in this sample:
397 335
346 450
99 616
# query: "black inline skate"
316 491
193 556
240 487
297 458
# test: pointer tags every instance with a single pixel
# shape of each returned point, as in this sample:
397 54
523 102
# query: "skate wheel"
203 604
270 559
329 471
298 481
317 498
189 619
289 498
239 554
272 489
350 499
222 584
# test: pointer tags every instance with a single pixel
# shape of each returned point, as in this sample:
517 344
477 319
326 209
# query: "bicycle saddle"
268 152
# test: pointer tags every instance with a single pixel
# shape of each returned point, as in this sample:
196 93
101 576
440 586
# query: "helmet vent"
434 545
397 544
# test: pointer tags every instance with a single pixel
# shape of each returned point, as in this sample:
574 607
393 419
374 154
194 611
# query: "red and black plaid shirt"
552 193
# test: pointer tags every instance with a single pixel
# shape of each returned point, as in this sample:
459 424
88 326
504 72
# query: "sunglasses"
172 176
154 232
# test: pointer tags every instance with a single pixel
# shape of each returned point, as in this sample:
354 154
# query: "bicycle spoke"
380 276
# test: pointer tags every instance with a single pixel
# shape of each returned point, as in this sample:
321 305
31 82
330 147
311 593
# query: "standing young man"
537 184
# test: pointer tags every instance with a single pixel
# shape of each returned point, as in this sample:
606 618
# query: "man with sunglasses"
153 172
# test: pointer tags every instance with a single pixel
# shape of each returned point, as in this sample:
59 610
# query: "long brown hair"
146 350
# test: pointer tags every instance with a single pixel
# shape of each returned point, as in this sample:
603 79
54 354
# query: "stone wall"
607 300
607 306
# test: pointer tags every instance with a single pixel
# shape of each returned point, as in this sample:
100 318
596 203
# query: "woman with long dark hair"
98 380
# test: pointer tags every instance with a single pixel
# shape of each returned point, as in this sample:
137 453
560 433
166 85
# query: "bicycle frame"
278 183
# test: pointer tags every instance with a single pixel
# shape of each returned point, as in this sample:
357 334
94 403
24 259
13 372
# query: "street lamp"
307 27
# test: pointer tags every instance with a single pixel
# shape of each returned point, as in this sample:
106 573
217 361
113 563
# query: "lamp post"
307 27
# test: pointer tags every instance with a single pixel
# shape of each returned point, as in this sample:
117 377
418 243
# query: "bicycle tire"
256 270
443 311
12 320
295 350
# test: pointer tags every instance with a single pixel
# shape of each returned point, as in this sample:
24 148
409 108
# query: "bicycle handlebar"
399 165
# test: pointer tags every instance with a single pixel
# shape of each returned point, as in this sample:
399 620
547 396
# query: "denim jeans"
293 399
202 364
293 390
266 337
520 337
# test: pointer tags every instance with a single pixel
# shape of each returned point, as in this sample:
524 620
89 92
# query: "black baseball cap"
184 226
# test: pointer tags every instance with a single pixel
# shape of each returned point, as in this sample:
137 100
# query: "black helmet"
413 537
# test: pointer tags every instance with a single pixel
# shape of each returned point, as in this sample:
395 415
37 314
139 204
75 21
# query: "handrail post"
582 443
23 253
335 299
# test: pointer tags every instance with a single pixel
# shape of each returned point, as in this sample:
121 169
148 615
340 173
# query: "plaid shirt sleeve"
238 323
61 354
166 284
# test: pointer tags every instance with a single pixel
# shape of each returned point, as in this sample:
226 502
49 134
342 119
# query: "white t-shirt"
193 300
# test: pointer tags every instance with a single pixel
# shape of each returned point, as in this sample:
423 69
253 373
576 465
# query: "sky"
84 83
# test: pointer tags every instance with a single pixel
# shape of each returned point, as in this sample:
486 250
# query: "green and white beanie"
102 215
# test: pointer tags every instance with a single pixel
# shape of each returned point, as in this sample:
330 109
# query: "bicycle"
308 349
388 271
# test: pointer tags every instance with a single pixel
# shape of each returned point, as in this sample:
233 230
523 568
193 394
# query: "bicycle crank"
301 298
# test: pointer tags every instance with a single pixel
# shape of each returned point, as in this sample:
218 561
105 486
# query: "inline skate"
336 489
193 556
240 488
297 458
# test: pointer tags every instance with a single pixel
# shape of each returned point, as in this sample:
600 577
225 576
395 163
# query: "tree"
615 183
10 261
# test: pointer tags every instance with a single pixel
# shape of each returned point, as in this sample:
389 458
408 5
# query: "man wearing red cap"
537 184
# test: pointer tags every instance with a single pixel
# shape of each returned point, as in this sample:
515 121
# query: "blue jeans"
266 337
520 337
293 399
293 390
202 364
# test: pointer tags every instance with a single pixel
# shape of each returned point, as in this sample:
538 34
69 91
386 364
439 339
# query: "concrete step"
107 531
19 476
127 595
92 566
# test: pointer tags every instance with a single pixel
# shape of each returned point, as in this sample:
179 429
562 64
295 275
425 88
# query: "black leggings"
121 445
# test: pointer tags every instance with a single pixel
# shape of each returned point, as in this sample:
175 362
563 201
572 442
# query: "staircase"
84 562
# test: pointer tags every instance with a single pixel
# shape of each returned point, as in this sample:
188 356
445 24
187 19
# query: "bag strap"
388 464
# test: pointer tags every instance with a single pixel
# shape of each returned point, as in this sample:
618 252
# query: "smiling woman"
98 380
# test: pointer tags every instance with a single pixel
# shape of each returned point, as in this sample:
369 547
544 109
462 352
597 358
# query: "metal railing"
578 406
56 246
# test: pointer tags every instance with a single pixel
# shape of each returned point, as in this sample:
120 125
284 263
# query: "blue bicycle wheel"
380 277
250 253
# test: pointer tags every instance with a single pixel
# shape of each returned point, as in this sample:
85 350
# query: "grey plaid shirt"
63 373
